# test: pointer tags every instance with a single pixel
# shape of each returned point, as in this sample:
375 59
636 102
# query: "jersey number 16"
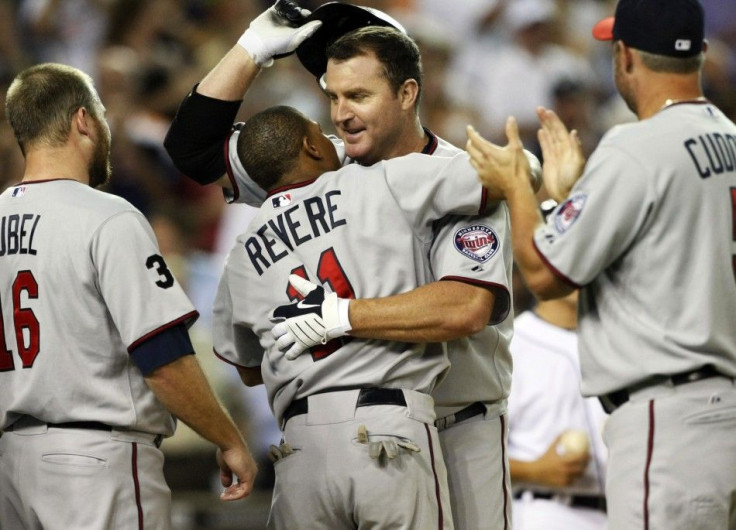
23 321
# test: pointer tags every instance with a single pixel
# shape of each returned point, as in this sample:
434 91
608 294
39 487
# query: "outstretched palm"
562 154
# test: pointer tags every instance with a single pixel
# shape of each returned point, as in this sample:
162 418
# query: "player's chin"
360 151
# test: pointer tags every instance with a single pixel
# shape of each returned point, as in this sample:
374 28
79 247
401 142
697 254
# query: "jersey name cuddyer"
69 318
373 243
641 227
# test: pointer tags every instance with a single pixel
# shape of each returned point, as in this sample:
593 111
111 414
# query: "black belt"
93 425
614 400
366 398
461 415
575 501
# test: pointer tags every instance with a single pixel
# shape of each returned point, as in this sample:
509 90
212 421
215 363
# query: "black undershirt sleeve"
196 137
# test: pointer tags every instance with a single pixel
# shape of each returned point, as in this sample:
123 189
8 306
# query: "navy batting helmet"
337 20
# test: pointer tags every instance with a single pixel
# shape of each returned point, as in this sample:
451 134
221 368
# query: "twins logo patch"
477 242
568 212
281 200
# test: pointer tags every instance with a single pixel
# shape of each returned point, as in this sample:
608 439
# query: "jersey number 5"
24 322
329 272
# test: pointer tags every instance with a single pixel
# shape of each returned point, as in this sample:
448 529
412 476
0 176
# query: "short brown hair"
42 100
396 51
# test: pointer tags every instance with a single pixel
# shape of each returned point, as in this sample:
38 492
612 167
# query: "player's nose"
342 112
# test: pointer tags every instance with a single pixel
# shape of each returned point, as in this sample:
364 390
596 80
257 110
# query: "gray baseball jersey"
82 282
648 233
365 233
474 250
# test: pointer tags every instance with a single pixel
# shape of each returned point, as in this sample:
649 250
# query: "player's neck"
414 140
668 90
51 163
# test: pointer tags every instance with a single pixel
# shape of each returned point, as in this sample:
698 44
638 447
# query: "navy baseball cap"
664 27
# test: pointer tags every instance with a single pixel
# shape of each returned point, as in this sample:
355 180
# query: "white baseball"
536 169
573 443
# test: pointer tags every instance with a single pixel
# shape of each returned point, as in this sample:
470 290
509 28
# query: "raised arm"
505 170
197 138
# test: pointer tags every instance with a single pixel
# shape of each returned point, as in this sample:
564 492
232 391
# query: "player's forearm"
525 219
522 471
435 312
231 78
184 390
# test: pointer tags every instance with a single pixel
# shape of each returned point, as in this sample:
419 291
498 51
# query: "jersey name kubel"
16 234
294 226
712 153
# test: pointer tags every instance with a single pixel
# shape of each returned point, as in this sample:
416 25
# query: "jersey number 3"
25 323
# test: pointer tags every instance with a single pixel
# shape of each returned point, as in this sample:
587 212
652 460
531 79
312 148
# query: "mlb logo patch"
568 212
281 200
18 191
477 242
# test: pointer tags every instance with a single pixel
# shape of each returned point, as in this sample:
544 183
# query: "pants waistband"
29 424
595 502
93 425
614 400
468 412
366 397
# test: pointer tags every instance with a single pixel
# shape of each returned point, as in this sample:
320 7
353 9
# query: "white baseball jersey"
648 233
361 232
82 282
545 400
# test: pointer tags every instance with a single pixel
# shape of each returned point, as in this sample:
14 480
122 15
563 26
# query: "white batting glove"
270 34
319 317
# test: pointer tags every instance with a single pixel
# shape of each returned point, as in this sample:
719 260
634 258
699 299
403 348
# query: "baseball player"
350 400
556 452
94 351
475 281
657 337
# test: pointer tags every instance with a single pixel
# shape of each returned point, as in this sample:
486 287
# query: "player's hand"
559 470
500 169
319 317
238 462
270 34
562 152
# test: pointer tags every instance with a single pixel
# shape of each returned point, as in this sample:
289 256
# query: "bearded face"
99 167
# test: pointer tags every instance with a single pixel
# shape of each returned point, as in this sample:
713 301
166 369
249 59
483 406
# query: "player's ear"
408 94
627 57
311 149
82 121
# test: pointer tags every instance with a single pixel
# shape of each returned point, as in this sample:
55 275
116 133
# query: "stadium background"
483 59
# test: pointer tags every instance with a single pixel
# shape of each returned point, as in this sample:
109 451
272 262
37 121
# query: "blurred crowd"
483 60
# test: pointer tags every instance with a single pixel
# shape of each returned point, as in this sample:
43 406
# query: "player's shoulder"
106 203
445 148
94 207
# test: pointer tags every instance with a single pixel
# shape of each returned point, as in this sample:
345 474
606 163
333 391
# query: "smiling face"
366 112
